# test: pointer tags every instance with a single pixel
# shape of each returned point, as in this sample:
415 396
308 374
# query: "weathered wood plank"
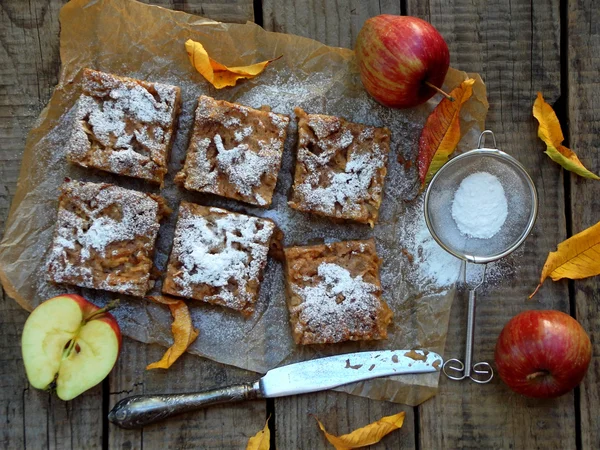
340 414
584 119
335 23
238 11
29 64
514 45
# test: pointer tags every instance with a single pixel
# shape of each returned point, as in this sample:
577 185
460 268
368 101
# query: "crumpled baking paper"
147 42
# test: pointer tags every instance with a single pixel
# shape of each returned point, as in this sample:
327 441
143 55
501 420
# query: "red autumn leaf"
441 132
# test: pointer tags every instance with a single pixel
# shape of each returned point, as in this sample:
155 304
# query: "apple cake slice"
334 293
105 237
218 256
124 126
235 151
340 168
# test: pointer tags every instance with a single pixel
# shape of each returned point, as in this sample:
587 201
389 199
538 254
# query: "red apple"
397 56
69 345
543 353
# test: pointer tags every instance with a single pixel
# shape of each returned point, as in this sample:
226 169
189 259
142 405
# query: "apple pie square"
340 168
124 126
105 237
218 256
334 293
235 151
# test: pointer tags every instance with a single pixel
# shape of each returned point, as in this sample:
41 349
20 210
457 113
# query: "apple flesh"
397 56
543 353
69 345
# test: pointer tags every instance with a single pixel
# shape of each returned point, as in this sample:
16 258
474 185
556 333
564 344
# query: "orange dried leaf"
216 73
183 332
441 132
369 435
577 257
550 132
261 440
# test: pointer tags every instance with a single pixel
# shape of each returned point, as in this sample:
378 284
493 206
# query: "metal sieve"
522 202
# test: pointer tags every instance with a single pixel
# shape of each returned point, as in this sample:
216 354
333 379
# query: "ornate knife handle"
141 410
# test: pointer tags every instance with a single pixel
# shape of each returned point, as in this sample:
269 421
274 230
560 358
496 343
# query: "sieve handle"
456 369
482 136
470 333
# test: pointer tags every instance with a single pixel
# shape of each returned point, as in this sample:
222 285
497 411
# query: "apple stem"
440 91
539 374
110 306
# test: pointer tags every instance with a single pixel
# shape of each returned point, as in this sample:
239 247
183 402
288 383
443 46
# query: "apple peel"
367 435
441 133
183 331
69 345
218 74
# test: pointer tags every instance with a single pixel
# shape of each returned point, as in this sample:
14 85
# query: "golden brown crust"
124 126
234 151
218 256
340 168
334 293
104 237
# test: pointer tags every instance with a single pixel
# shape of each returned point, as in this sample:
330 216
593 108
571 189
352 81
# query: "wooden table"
519 47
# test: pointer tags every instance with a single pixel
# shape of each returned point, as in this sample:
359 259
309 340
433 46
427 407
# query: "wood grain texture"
334 23
238 11
340 413
584 120
514 45
217 427
30 62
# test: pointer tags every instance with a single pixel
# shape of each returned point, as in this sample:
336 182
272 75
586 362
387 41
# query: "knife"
299 378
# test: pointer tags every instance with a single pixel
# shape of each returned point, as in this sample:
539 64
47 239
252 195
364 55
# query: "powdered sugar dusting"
220 249
235 151
245 168
94 218
338 174
337 304
122 127
348 188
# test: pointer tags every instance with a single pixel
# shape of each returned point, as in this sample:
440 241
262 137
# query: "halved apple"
69 345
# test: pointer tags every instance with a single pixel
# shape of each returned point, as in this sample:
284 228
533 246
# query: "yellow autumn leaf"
577 257
261 440
183 331
441 132
216 73
550 132
369 435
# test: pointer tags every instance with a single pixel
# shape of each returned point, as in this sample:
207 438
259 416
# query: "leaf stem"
440 91
535 292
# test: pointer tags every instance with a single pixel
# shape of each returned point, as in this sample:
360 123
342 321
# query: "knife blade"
298 378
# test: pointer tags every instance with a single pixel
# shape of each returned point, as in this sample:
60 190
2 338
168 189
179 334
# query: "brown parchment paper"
129 38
